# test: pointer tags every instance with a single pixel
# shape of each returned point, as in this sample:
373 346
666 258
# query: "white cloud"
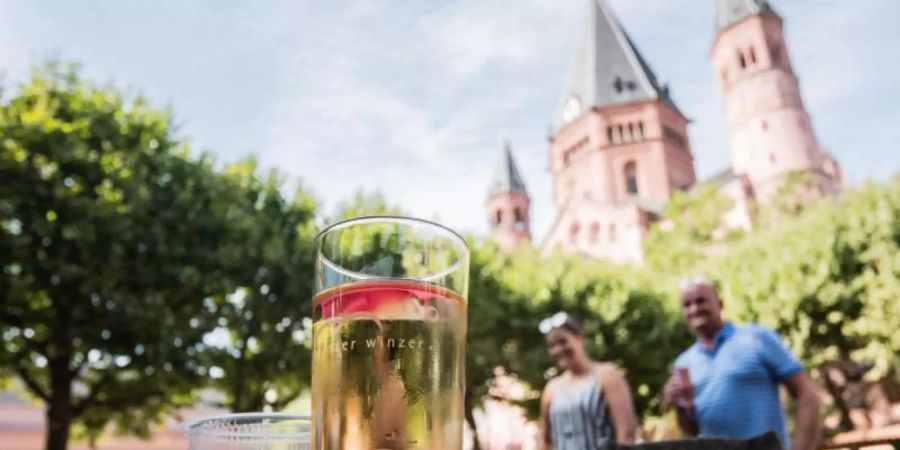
468 36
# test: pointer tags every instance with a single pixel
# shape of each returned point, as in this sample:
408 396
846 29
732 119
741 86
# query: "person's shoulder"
607 370
551 385
606 366
756 330
684 359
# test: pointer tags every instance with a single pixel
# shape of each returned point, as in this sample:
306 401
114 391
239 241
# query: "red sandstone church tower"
770 131
619 148
508 204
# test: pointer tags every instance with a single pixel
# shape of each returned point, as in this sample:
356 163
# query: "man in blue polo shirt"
726 384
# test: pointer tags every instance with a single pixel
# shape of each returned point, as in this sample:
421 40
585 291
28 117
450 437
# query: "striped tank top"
579 417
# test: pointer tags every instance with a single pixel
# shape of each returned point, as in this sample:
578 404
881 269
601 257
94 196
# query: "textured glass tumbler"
389 335
253 431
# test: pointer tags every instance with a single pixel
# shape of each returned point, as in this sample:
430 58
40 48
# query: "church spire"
730 12
506 176
608 69
508 205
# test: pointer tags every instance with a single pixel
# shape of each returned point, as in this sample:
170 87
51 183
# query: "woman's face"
564 347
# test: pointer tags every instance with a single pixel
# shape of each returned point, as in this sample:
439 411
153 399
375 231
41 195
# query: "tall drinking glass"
253 431
389 330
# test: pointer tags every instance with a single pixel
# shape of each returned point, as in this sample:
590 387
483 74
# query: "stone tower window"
641 130
573 232
609 134
595 233
742 60
520 218
498 217
752 56
631 183
775 51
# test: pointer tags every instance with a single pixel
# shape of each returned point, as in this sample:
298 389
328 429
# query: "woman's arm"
621 407
545 440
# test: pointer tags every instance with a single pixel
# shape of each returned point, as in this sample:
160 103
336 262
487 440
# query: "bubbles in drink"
388 364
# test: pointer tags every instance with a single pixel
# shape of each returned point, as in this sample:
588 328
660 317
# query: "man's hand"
678 394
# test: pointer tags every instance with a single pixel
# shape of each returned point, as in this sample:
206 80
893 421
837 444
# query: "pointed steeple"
506 176
730 12
608 69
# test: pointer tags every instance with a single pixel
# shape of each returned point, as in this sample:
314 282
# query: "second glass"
389 330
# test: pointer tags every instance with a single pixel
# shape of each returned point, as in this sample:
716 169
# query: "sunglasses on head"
553 322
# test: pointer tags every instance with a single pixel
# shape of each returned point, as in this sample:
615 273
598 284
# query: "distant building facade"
619 148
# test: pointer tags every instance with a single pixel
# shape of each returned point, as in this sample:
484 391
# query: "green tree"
796 194
626 320
688 229
109 244
259 354
365 204
826 280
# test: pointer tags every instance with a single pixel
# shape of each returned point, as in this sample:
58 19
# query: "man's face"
701 308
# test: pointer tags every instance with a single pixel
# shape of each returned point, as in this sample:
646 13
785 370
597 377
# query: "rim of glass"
192 428
403 220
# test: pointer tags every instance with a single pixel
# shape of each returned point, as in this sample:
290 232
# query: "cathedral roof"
721 177
608 69
506 176
730 12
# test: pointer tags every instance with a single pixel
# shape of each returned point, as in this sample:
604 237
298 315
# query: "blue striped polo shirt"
736 382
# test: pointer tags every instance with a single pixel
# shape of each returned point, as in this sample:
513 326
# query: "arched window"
612 232
752 56
775 52
594 233
520 218
641 130
621 133
573 232
631 183
498 217
631 136
609 134
742 60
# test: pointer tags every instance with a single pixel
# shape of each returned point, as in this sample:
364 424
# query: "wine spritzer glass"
389 329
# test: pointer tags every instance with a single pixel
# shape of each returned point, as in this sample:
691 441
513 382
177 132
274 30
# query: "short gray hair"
697 280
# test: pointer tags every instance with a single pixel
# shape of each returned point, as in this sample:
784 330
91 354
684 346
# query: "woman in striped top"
588 406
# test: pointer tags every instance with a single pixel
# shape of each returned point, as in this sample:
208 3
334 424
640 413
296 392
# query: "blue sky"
411 98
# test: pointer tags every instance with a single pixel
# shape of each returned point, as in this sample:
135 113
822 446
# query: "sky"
412 98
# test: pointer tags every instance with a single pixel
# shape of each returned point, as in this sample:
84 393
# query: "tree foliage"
108 237
259 351
827 281
116 250
689 225
627 319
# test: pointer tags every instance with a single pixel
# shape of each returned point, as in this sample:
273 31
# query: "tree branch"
32 384
92 396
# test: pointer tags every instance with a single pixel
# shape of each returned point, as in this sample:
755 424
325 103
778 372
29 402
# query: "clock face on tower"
571 109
